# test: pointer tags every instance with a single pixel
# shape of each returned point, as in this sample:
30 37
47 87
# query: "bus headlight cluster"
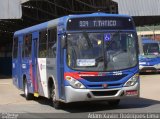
74 83
132 81
158 65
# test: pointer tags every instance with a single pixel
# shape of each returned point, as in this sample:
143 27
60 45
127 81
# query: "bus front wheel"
55 103
114 103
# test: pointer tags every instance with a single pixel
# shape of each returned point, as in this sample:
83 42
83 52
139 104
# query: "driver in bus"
112 46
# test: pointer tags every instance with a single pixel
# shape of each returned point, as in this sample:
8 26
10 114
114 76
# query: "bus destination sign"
100 23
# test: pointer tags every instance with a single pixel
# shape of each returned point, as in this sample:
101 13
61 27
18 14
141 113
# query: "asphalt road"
12 102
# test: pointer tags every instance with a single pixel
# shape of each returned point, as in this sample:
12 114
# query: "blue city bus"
149 59
87 57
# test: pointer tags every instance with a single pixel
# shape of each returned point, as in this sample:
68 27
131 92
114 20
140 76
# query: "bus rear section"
149 60
93 57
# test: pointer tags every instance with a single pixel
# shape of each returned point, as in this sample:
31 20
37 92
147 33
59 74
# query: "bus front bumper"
154 68
75 95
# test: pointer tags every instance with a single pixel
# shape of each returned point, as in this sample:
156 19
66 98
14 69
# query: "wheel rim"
26 89
53 95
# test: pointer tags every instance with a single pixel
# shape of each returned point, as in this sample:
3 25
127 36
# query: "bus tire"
27 95
55 103
114 103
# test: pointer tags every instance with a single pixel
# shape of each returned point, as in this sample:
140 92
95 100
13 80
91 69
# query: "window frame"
55 36
13 48
29 54
43 43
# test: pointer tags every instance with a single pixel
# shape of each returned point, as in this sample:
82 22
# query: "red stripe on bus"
77 75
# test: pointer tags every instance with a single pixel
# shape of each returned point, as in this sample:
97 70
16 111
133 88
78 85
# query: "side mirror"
63 41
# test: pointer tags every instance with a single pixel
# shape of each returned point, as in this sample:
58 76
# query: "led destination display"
100 23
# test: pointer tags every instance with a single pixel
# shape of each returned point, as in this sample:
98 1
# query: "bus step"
36 95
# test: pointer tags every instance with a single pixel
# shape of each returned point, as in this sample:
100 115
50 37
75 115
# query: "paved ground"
12 101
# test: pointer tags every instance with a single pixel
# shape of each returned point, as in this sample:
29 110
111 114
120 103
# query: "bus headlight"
74 83
132 81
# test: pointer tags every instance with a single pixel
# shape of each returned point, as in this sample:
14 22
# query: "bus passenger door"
34 77
60 68
15 62
19 62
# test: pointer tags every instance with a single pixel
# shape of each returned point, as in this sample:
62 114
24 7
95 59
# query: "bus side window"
52 38
27 45
42 44
15 47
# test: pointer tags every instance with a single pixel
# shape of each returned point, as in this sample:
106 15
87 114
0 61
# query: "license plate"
148 70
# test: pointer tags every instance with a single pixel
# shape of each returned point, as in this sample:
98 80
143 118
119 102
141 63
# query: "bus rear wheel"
28 95
114 103
55 103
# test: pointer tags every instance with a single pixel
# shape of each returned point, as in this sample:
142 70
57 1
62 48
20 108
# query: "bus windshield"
101 51
151 49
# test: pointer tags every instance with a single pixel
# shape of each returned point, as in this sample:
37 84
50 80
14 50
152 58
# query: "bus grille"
105 93
104 78
115 85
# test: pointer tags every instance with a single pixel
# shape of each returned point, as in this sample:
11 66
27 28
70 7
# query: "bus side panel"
15 61
51 69
26 63
42 78
19 63
46 69
14 72
33 65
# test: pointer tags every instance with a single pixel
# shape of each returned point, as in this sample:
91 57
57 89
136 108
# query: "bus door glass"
34 78
60 69
15 61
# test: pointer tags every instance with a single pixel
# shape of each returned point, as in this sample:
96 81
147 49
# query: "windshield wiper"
99 59
87 39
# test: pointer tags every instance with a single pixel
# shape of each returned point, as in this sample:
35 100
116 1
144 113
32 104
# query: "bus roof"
34 28
63 20
98 14
148 40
